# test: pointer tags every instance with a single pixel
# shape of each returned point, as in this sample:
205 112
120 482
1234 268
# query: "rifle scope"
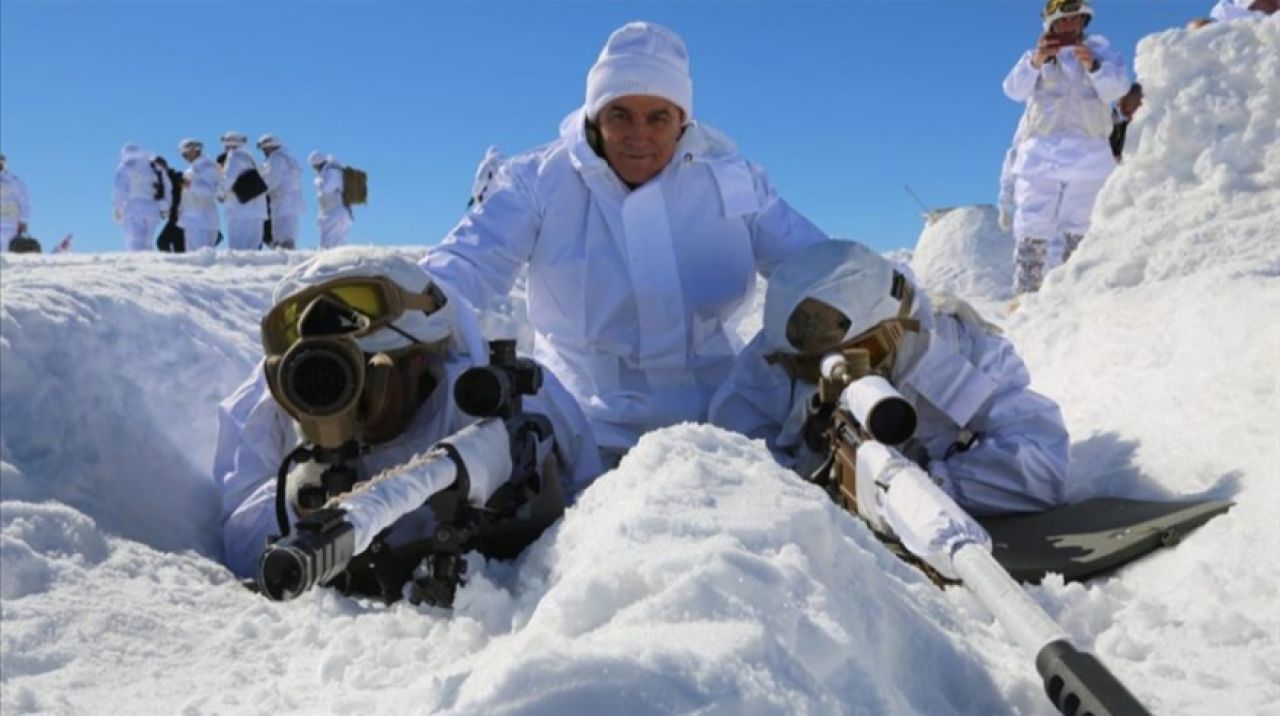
880 409
494 390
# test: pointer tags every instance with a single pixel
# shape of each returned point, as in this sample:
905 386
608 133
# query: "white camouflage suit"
283 176
198 212
255 433
964 381
629 291
334 218
1062 156
134 203
244 220
15 207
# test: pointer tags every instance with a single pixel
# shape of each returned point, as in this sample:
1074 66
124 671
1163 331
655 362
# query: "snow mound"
965 252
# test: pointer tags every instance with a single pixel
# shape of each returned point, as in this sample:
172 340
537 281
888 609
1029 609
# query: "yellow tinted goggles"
1066 7
377 300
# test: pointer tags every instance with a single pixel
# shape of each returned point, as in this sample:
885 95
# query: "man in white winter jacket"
198 212
284 189
244 218
139 201
1063 156
334 216
427 352
15 206
642 232
990 442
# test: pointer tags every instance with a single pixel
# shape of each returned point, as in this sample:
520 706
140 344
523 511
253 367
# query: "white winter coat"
962 381
255 435
1068 116
283 176
134 194
238 162
15 206
629 291
199 208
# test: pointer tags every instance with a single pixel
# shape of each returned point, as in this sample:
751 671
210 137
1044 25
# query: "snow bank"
965 252
1161 338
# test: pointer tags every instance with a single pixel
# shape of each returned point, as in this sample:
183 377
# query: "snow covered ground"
696 577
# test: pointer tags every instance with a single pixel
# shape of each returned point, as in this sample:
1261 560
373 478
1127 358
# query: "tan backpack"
355 187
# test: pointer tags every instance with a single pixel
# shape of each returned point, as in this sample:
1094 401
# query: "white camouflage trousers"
244 233
1029 257
138 230
1052 209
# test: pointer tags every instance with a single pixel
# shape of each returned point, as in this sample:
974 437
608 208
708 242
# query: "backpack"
24 245
249 186
355 187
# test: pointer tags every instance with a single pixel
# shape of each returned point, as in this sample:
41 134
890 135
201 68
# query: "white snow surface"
697 577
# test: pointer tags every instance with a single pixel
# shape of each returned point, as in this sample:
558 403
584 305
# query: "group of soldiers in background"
261 203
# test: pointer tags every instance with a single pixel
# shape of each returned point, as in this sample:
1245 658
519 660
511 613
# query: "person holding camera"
243 193
362 350
1063 157
989 441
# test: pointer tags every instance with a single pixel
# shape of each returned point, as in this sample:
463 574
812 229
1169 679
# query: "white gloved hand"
1005 220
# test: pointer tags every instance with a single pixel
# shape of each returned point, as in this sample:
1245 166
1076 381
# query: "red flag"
64 245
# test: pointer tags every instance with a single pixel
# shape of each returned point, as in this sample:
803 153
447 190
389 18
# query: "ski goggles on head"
1056 9
357 306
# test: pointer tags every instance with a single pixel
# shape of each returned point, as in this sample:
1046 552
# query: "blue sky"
843 102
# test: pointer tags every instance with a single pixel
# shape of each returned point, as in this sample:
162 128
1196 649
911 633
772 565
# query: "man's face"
1069 26
639 134
191 154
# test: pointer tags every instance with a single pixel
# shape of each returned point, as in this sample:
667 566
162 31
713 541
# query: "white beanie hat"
190 143
315 159
233 139
641 58
268 141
